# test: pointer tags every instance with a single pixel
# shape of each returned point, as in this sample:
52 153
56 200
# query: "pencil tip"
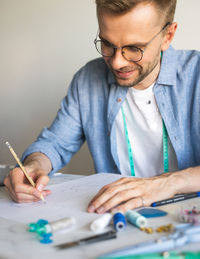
42 198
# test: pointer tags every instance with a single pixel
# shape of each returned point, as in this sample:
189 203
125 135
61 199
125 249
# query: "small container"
4 170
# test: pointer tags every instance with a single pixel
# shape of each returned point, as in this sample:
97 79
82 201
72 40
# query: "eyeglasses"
129 52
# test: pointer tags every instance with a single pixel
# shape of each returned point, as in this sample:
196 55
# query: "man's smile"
124 74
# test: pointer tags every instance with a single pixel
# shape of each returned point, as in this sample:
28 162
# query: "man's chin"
125 82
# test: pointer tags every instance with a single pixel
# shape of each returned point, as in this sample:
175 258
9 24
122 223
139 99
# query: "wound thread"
119 221
62 224
136 219
101 222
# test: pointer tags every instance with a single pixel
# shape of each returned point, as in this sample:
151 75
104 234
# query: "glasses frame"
122 52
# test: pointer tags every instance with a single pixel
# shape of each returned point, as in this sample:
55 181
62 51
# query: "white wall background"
42 44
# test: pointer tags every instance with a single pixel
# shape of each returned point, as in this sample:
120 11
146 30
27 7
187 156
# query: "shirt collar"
168 70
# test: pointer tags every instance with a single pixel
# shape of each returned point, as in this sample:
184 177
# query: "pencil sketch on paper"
67 199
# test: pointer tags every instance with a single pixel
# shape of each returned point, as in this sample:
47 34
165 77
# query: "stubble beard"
142 73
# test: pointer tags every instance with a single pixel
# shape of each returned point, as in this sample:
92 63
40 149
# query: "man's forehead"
138 25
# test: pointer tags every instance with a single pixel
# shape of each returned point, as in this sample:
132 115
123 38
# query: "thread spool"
136 219
60 224
119 221
45 229
101 222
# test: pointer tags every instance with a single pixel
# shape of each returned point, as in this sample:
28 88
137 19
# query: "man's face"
136 27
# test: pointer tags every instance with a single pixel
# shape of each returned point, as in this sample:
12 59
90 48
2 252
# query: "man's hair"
166 8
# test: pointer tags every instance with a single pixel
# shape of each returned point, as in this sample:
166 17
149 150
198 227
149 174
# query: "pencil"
22 167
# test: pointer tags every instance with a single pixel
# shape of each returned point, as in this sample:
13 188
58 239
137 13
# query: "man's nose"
118 61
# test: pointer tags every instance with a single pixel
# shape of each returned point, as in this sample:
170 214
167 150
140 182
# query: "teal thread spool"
44 229
136 219
40 228
119 221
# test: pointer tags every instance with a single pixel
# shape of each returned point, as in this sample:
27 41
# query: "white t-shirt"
144 124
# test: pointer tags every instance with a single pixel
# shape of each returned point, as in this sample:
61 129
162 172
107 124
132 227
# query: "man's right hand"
21 190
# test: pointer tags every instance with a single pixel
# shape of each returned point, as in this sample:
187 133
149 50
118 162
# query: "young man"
137 107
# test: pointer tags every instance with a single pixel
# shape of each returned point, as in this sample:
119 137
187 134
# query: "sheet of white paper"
57 178
68 199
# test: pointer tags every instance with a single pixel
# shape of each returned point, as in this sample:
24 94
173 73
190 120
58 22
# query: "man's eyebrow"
105 40
136 44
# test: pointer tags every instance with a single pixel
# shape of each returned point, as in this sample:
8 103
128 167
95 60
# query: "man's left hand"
129 193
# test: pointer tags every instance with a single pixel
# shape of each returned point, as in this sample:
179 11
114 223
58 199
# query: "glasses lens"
104 48
132 53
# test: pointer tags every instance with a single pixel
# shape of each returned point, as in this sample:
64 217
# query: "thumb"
41 182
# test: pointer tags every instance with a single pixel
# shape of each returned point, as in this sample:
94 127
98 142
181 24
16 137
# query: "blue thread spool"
136 219
119 221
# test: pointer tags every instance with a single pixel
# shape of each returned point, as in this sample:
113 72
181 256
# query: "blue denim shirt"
89 110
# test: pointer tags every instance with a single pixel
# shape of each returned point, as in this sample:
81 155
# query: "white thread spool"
101 223
136 218
60 224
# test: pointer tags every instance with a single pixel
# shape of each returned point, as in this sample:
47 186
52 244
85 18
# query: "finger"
17 196
115 200
126 181
8 182
8 187
41 182
26 198
103 189
16 176
18 187
22 197
115 183
130 204
105 194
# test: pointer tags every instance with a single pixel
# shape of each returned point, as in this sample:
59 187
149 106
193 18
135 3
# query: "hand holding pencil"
21 191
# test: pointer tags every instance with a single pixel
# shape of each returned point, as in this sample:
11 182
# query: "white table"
17 243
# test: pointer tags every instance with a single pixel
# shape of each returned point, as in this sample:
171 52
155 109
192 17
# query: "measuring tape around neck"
130 153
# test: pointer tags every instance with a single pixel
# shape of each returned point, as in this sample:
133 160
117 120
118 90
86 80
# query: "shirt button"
119 100
108 133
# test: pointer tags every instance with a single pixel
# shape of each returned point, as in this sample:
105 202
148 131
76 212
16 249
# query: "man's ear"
170 32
